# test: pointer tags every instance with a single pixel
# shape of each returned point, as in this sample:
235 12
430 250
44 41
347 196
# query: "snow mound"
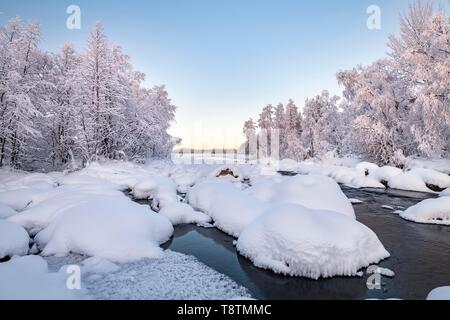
14 240
162 191
18 199
231 208
173 277
106 227
420 180
288 165
312 191
298 241
366 168
431 211
45 207
6 211
27 278
385 173
181 213
441 293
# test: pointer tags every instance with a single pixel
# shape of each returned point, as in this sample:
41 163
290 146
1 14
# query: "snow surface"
6 211
174 276
28 278
297 241
431 211
441 293
181 213
14 240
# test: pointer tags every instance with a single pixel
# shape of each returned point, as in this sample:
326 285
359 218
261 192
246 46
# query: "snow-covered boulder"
366 168
298 241
14 240
288 165
231 208
28 278
181 213
432 211
441 293
112 228
385 173
161 190
314 192
6 211
420 180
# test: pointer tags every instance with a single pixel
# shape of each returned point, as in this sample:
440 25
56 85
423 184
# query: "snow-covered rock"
6 211
181 213
312 191
298 241
231 208
441 293
14 240
288 165
432 211
161 190
385 173
366 168
419 180
112 228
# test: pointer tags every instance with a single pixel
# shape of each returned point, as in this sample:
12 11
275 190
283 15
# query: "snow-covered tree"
320 123
60 109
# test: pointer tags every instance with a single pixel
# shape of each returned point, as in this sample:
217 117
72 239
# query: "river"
420 255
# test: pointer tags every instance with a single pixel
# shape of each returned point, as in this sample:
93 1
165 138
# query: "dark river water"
420 255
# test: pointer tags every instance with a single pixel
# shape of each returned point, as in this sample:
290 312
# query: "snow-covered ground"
298 226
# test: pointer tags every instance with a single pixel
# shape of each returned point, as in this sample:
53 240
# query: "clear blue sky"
223 60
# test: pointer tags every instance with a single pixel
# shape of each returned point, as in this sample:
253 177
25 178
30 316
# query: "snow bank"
230 208
162 191
27 278
14 240
107 227
298 241
6 211
181 213
431 211
441 293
